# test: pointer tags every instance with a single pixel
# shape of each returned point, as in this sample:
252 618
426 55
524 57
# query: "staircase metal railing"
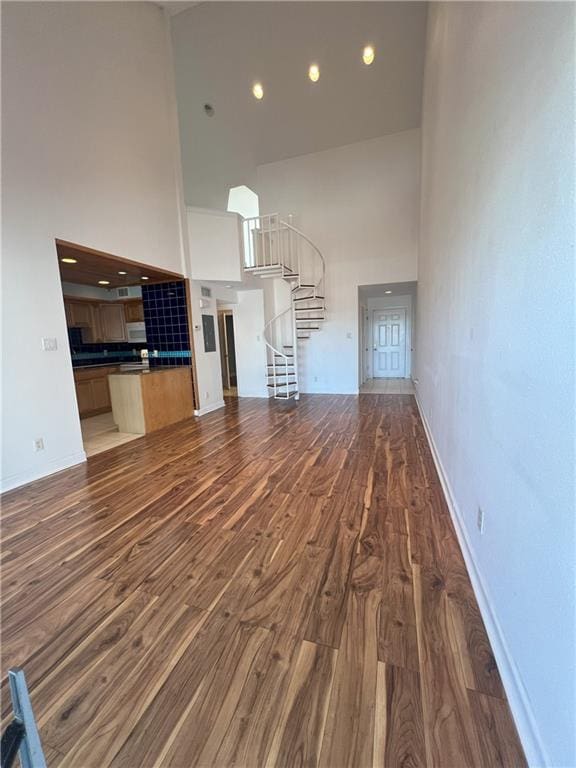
280 389
274 247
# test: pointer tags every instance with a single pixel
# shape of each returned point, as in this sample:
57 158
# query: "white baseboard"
56 465
257 395
511 679
209 408
329 391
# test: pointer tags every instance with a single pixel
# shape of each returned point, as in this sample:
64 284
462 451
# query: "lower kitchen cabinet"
92 390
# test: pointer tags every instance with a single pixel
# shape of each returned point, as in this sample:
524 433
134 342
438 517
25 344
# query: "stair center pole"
295 348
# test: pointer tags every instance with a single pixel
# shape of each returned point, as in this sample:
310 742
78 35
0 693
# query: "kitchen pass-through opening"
130 345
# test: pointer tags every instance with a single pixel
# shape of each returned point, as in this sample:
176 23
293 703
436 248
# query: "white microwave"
136 331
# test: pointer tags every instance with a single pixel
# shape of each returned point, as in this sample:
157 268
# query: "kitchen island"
146 400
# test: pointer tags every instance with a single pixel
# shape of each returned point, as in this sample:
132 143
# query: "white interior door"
389 343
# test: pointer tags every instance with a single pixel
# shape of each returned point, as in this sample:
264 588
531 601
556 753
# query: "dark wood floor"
271 585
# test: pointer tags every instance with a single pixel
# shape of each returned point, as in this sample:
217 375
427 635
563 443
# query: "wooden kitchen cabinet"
79 313
92 389
101 394
100 322
134 311
84 397
112 322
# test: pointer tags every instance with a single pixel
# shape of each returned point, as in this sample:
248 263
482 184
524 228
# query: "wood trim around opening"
107 263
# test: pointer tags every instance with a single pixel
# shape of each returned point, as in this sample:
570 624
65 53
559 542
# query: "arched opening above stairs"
244 201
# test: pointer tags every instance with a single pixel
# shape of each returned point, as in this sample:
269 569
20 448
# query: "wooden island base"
143 402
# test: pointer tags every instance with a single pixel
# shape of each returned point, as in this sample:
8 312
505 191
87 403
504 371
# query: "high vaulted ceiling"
177 6
222 48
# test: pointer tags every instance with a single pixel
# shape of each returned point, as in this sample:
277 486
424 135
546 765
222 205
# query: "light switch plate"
49 344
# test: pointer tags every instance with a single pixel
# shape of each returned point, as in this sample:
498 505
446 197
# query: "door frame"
365 344
223 313
403 309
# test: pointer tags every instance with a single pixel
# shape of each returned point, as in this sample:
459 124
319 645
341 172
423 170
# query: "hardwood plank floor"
274 584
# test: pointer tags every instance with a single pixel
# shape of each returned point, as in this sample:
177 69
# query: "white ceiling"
177 6
221 48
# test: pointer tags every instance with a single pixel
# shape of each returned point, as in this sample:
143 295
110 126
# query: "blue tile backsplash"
167 335
108 352
166 318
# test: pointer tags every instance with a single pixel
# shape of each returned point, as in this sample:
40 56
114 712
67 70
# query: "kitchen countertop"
155 369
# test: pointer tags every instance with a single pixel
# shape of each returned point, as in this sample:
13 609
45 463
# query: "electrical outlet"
206 395
315 378
480 520
38 444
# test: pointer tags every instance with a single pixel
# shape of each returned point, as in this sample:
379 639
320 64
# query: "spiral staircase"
274 248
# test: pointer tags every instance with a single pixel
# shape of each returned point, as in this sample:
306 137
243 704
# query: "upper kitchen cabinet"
100 322
112 322
79 314
134 311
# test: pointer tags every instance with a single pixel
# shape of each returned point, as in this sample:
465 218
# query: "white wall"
208 367
360 204
496 332
249 316
250 348
89 155
215 241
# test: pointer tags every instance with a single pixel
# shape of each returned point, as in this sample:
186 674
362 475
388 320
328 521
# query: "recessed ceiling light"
368 55
258 91
103 282
387 291
69 260
144 277
122 273
228 286
314 73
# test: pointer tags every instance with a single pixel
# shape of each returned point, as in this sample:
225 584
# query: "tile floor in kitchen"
100 433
